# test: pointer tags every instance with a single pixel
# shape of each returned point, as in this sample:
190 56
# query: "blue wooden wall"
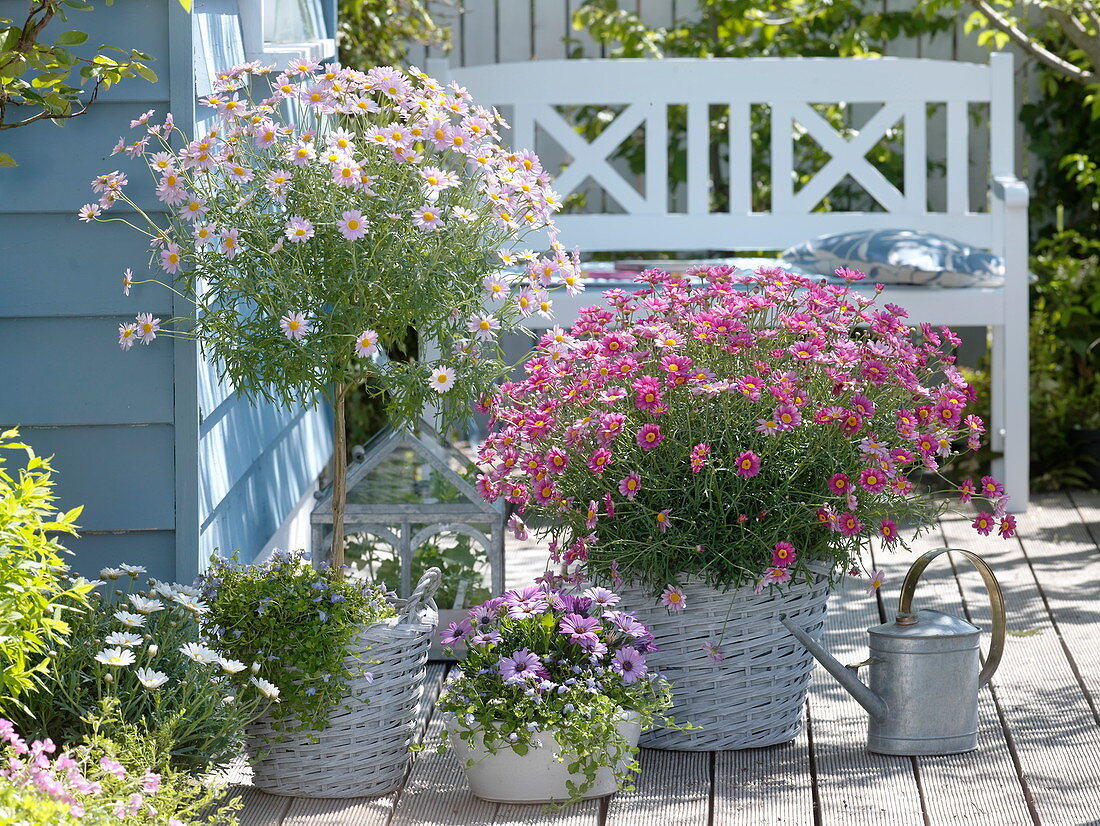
168 463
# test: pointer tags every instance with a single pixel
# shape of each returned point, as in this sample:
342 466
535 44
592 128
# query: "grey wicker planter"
752 698
364 752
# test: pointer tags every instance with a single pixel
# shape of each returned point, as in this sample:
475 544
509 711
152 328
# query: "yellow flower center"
354 225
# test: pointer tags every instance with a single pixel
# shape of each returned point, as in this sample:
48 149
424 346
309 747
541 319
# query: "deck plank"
980 787
585 813
855 786
771 785
1062 548
673 790
260 808
1053 730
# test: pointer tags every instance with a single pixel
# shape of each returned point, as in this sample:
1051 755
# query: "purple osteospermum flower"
485 638
580 628
457 632
602 597
629 664
522 665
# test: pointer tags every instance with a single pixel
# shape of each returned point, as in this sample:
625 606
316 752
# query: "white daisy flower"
111 573
269 690
133 570
200 653
192 604
442 379
123 638
232 666
116 656
130 620
145 606
151 679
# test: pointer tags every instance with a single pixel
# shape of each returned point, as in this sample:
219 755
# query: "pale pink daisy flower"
205 235
126 335
162 161
301 153
193 209
347 173
427 218
713 651
276 183
294 325
526 301
353 225
442 379
265 134
777 576
170 259
89 212
495 287
231 244
239 174
366 344
298 229
544 306
127 281
673 598
484 327
147 327
518 528
141 120
343 140
878 579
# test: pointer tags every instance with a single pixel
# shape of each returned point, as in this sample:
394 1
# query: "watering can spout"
845 675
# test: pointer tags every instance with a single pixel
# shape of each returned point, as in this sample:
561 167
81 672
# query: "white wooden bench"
531 93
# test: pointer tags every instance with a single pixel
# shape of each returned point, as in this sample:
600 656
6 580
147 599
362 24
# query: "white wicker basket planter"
754 696
364 751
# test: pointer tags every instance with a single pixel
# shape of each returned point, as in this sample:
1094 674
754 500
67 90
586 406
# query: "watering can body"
923 673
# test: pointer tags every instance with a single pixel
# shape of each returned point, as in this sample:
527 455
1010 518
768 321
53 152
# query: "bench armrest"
1010 191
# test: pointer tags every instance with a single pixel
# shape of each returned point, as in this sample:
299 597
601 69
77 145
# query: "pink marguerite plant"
765 422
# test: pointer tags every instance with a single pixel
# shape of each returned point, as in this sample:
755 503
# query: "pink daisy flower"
352 225
748 465
889 531
663 520
984 523
839 484
599 460
966 491
1007 527
699 455
294 326
873 480
673 598
713 651
630 485
557 460
783 555
849 524
592 515
649 436
776 576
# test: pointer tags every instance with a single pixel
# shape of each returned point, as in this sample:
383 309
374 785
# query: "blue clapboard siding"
117 472
167 461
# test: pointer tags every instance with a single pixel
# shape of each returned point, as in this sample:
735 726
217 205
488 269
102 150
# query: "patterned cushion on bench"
901 256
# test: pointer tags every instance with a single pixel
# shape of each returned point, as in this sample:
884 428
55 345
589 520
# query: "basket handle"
422 594
996 602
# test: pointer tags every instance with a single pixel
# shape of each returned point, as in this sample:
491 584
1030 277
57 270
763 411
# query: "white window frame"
255 24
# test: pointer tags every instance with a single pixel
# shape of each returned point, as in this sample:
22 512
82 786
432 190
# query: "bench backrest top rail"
534 93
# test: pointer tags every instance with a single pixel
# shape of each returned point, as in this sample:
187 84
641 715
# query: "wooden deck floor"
1039 756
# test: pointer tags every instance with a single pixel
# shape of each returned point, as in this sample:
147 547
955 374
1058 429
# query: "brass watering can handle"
996 602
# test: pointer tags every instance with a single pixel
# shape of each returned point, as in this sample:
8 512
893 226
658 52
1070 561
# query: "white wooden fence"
502 31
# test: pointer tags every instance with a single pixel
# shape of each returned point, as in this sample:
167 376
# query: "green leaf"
71 38
7 160
145 72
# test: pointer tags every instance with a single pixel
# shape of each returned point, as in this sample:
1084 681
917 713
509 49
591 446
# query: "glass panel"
290 21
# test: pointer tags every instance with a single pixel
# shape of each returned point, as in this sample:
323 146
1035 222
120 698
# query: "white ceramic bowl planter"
536 777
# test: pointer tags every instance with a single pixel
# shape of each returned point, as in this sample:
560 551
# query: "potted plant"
344 659
551 695
309 245
722 445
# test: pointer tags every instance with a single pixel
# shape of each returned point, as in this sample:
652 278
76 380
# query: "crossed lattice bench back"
535 94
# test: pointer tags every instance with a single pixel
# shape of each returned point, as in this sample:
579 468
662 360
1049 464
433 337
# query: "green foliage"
298 623
378 32
36 597
191 709
36 72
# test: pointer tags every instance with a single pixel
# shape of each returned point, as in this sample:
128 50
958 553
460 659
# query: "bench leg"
1009 420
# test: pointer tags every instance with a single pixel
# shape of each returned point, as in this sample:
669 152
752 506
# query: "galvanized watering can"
924 671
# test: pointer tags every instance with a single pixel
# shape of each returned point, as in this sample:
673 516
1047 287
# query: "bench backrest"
531 92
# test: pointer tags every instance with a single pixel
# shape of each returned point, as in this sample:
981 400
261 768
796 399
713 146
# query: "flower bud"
153 649
255 668
51 654
108 678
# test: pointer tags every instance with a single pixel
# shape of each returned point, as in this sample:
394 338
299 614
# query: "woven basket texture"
754 696
364 751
